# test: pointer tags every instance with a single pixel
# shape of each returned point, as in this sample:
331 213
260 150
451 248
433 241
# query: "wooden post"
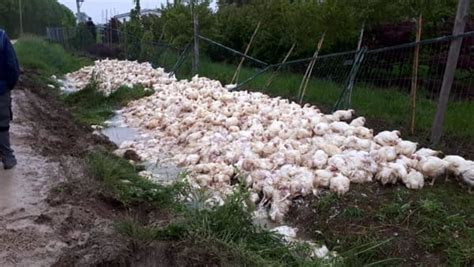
279 67
235 78
309 70
414 77
196 42
451 64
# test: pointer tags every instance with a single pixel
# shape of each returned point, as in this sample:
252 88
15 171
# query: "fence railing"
377 84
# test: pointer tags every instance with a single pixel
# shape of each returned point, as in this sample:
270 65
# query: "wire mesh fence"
377 83
385 80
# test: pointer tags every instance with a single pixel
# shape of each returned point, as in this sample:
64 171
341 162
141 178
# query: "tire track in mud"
23 191
43 213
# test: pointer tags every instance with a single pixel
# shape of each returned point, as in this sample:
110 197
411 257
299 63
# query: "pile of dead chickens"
279 149
110 75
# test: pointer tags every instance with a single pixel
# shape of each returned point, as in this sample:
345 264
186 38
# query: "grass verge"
90 106
35 53
123 181
433 226
228 236
225 234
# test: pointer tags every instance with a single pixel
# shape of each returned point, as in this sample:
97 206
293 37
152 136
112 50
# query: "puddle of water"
118 132
118 135
163 173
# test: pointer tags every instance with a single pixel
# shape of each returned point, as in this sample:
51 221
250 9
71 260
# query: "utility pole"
78 6
20 7
451 63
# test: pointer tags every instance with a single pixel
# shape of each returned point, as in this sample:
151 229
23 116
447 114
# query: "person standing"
9 75
92 29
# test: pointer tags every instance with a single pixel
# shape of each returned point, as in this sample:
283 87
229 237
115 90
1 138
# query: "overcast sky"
97 8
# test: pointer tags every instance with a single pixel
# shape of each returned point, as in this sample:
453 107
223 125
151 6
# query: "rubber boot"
8 158
6 152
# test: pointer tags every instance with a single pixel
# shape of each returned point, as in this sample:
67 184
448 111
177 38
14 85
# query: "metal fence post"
237 72
345 98
180 60
451 64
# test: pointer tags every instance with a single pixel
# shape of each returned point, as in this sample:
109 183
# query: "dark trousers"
6 116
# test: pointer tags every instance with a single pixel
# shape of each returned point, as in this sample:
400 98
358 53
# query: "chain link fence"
377 83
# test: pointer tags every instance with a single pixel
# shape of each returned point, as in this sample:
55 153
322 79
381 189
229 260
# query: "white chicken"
414 180
339 184
359 122
343 114
386 175
321 128
406 148
384 154
466 171
387 138
454 162
427 152
319 159
432 167
322 178
462 168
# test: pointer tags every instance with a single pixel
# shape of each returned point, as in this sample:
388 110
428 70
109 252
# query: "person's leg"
6 152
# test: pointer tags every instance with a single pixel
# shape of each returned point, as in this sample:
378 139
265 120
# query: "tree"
134 32
37 15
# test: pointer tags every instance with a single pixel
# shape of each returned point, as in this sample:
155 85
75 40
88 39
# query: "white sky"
97 8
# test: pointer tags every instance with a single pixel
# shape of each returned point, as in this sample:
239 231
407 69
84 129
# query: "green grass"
91 107
35 53
435 224
122 180
227 233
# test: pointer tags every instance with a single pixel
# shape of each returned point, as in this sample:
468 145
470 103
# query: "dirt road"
48 206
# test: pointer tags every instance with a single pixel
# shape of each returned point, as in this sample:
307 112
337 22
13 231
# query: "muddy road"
49 206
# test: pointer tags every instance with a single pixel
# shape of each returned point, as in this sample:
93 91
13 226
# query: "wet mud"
48 205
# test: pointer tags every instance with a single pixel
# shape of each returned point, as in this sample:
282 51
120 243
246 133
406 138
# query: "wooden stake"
309 71
279 67
237 72
454 49
414 77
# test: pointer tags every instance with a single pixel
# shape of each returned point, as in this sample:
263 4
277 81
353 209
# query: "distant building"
144 12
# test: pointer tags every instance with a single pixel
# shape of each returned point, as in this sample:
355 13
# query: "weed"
92 107
433 226
228 232
122 180
353 213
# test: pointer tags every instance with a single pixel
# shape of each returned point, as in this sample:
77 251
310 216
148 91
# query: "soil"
38 223
354 217
52 212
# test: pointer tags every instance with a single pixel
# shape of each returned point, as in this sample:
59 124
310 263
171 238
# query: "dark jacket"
9 67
